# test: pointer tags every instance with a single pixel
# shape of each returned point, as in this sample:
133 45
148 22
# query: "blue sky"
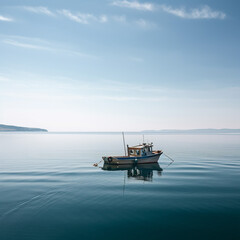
120 65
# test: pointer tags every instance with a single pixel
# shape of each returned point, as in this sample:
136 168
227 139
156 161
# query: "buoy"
96 164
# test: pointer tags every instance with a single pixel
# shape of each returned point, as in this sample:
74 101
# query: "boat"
136 171
140 154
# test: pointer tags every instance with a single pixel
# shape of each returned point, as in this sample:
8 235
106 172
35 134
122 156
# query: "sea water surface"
49 188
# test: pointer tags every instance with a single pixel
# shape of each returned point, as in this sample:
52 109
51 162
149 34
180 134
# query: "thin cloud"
127 98
24 45
5 19
39 10
83 18
80 19
134 5
38 44
120 19
145 24
204 12
103 18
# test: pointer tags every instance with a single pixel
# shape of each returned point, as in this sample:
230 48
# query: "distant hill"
195 131
9 128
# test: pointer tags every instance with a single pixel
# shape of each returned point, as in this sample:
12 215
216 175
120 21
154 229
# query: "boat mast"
124 144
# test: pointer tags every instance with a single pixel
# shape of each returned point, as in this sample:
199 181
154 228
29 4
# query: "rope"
168 165
168 157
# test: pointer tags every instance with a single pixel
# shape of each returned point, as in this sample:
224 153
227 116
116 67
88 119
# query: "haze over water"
50 190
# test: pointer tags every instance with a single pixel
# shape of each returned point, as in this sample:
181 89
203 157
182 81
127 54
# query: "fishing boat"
140 154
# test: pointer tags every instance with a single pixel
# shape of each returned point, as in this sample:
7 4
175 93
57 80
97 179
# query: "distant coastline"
195 131
11 128
160 132
209 131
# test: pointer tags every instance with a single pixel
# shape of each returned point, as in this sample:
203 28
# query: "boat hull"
132 160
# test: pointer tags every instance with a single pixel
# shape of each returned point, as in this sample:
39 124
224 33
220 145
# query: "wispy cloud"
134 5
87 18
121 18
39 10
103 19
145 24
130 98
204 12
68 88
5 19
81 96
39 44
24 45
83 18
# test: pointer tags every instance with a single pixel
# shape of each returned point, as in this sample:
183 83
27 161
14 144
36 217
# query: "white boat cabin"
140 150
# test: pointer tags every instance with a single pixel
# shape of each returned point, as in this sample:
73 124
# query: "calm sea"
49 188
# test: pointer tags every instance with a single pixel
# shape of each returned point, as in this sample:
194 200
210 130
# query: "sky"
119 65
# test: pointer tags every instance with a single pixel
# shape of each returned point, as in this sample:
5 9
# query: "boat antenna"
124 144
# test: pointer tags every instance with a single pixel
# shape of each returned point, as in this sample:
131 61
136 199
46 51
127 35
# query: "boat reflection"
142 172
